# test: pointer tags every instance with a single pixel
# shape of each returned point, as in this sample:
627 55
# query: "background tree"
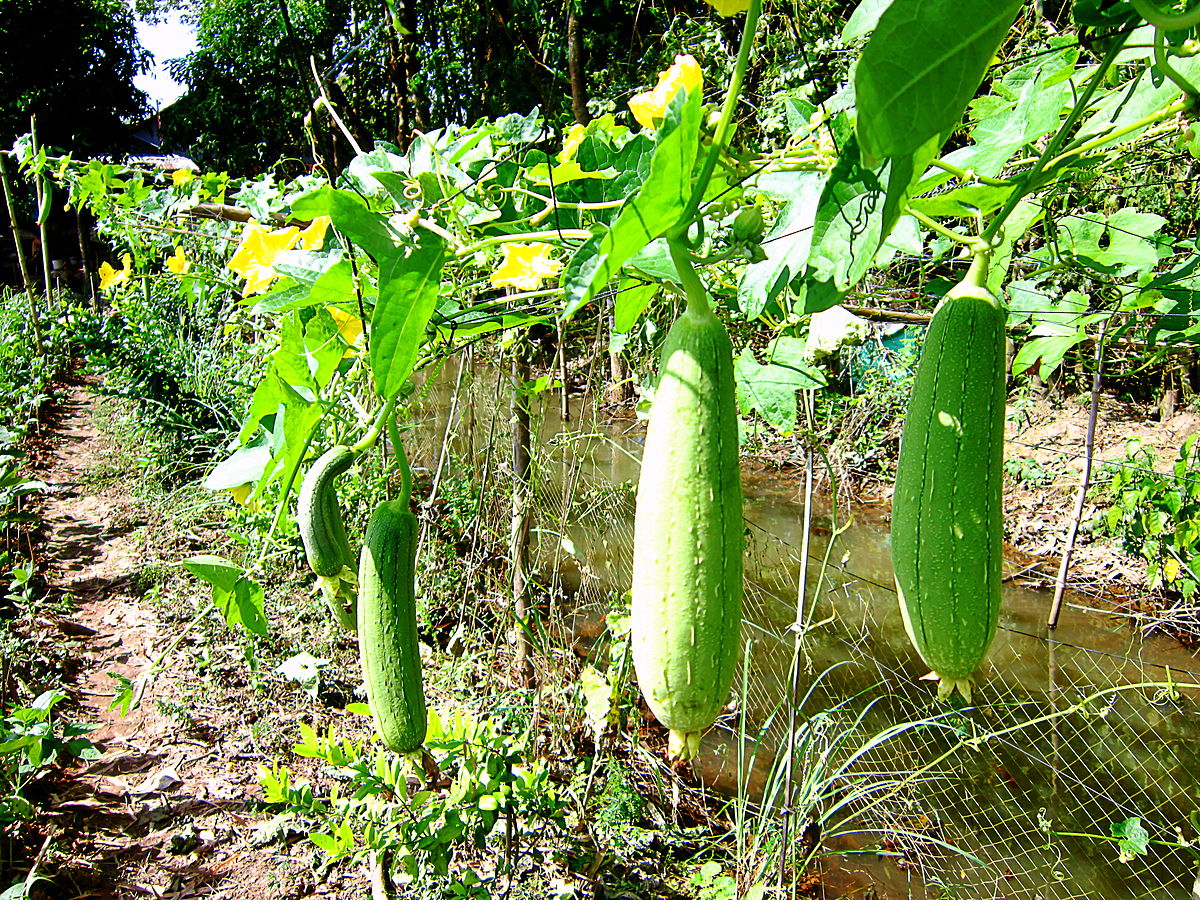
72 62
396 67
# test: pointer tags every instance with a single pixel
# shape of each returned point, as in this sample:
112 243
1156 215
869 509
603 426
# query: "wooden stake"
521 500
1085 481
43 201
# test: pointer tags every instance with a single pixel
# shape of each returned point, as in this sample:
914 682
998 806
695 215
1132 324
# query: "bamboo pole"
34 320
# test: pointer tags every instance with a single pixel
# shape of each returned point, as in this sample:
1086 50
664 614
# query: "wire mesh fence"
1073 775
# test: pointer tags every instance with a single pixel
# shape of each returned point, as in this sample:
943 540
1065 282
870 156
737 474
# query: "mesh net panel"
1073 776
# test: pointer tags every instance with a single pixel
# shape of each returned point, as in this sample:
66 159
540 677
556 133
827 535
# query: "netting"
1074 774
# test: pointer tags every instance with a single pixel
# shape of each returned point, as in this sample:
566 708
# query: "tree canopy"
72 63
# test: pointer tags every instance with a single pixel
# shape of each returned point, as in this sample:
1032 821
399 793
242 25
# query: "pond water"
1078 739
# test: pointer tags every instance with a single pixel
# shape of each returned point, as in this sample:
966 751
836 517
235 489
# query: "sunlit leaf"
920 68
408 292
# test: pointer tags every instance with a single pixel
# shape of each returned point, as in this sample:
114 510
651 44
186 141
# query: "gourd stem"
731 97
401 461
968 175
1167 21
555 234
1108 137
936 226
1055 143
977 275
1164 66
693 287
286 493
368 440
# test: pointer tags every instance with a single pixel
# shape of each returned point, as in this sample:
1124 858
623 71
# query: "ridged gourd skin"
387 627
323 533
319 515
947 518
688 535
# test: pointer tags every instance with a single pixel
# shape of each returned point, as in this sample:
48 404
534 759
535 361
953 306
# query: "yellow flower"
181 177
313 237
571 141
526 266
241 492
111 278
350 327
179 264
255 256
729 7
651 105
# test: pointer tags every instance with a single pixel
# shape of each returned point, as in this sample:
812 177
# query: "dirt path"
166 810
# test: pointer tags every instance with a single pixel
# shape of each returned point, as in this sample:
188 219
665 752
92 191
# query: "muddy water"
1019 796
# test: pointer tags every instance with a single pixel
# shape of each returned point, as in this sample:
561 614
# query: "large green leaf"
859 206
921 67
350 216
631 301
244 466
865 18
1122 244
1128 103
787 243
408 293
770 389
650 213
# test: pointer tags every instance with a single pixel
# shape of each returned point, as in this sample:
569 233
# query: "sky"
169 40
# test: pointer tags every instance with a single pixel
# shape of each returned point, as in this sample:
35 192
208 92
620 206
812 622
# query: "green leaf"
964 202
770 390
1132 839
333 285
123 695
1048 350
323 347
1128 103
630 302
327 842
921 67
245 466
865 18
859 206
597 698
216 570
408 293
1121 244
788 242
650 213
1026 214
350 216
235 596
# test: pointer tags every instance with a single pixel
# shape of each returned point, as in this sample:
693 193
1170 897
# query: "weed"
490 791
30 740
1028 471
177 712
1156 515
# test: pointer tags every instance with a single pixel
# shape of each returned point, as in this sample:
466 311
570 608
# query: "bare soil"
168 809
1052 435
